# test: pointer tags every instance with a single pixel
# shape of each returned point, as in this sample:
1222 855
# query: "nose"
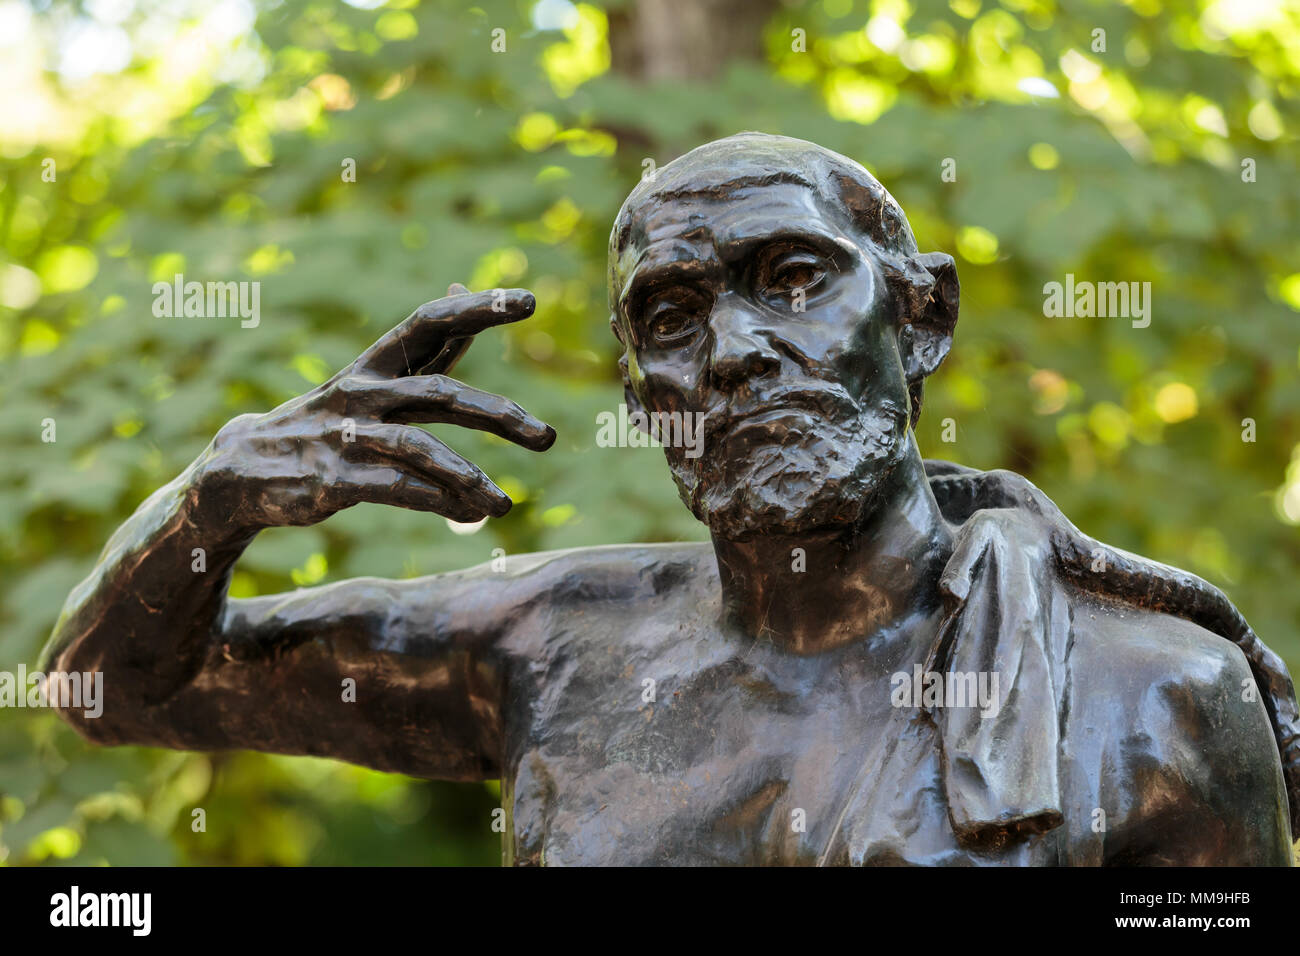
740 350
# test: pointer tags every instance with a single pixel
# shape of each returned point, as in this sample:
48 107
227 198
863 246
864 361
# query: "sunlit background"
1142 141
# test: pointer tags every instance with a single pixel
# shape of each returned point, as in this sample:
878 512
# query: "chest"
726 759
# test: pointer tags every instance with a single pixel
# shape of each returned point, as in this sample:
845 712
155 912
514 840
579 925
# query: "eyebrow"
647 275
738 247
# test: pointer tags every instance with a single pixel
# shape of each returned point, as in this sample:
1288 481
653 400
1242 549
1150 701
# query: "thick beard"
828 475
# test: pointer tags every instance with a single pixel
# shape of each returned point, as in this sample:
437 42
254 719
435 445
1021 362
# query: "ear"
928 319
927 293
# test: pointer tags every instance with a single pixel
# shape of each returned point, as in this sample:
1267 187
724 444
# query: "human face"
762 311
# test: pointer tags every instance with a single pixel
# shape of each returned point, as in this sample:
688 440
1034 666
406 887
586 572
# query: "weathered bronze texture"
1114 710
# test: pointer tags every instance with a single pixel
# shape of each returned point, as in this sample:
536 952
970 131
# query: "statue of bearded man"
876 660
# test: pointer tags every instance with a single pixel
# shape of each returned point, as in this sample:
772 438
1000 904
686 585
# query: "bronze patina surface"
878 660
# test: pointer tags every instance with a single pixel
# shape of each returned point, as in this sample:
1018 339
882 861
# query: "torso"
745 755
740 736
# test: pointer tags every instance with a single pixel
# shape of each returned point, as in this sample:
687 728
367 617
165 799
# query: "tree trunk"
686 39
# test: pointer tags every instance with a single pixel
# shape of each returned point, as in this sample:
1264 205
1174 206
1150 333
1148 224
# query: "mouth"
769 412
762 417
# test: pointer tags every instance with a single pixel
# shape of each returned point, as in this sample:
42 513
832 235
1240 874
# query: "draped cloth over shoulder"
1006 589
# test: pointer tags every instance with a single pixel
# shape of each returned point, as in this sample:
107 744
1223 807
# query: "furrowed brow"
649 274
734 248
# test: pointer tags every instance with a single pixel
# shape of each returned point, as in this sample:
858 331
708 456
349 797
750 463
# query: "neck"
815 591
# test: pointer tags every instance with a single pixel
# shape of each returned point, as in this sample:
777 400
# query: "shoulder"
580 579
472 609
617 570
579 575
530 596
1167 718
1147 648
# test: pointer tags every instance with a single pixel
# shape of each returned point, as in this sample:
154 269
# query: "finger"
419 339
389 485
455 349
416 451
436 398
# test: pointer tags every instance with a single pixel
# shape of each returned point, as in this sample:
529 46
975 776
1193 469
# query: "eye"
785 271
674 316
672 327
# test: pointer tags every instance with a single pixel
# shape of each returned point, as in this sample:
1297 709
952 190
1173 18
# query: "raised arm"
393 675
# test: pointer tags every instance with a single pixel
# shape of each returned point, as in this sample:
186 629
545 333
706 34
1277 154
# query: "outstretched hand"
351 439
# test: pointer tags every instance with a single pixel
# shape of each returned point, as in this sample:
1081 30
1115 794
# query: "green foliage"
506 169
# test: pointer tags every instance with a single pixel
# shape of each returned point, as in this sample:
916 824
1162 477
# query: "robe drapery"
1008 610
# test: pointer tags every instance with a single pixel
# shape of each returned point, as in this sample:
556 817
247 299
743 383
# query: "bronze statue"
880 660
